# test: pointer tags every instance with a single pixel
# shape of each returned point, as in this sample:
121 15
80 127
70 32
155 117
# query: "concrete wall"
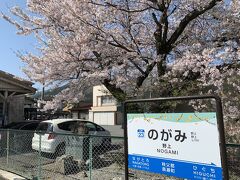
104 108
99 91
104 114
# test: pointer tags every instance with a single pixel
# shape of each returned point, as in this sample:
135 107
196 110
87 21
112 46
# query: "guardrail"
87 157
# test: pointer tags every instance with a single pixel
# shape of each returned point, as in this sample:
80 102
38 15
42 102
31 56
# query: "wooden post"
4 97
5 107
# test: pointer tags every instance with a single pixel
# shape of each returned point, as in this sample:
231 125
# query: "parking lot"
29 163
115 130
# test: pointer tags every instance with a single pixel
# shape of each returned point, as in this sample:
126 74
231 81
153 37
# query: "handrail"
63 134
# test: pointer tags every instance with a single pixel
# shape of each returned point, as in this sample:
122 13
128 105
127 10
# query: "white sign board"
184 145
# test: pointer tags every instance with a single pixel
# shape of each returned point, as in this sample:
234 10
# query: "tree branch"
118 93
142 78
119 45
188 18
108 4
136 66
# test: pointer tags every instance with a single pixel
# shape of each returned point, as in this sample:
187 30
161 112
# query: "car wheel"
106 142
60 150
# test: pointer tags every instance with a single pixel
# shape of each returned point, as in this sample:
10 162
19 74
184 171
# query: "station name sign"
184 145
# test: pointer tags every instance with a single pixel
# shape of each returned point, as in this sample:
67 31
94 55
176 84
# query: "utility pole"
43 92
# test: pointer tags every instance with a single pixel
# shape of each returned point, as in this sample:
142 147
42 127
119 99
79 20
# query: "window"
90 126
44 127
99 128
108 100
67 126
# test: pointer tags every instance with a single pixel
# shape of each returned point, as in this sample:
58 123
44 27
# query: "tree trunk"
161 65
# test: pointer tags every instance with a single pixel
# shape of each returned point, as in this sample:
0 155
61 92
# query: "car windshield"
44 127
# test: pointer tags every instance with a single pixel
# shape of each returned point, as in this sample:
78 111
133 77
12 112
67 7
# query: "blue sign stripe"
162 158
175 168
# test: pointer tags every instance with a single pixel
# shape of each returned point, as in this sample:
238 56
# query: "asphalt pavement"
114 130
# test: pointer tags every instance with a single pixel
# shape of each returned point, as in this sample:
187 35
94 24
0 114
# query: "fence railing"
61 156
233 155
36 155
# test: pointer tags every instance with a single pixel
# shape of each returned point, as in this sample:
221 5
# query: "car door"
92 130
66 128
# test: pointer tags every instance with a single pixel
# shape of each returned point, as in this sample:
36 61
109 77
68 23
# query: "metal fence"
233 155
62 156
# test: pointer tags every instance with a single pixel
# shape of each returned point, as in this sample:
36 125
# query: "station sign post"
185 145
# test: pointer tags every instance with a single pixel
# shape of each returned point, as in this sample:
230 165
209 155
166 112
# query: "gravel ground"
108 164
2 178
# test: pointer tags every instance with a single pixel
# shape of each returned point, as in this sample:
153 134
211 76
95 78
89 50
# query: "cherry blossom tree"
184 47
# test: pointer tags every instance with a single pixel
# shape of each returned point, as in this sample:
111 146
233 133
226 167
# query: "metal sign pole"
125 141
222 137
220 125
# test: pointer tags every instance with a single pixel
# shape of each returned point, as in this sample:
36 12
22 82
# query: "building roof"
13 83
82 106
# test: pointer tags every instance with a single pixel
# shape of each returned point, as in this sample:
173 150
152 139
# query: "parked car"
22 125
52 140
19 141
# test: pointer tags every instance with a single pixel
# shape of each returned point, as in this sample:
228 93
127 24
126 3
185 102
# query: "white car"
52 142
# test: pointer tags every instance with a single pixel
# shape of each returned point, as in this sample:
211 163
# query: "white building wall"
90 115
102 114
99 91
